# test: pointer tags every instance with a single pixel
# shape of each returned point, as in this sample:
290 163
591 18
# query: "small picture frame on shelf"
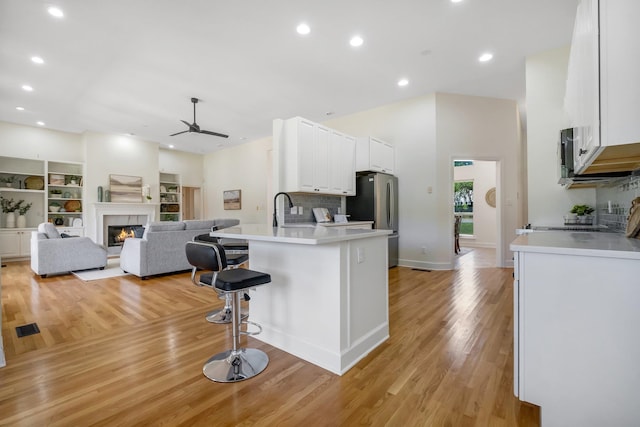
232 199
56 179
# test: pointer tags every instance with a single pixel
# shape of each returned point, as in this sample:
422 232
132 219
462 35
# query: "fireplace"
116 234
114 214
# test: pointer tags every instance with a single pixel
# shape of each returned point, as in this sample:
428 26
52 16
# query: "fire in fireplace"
116 234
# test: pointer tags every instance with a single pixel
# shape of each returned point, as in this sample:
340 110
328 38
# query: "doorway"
191 203
475 203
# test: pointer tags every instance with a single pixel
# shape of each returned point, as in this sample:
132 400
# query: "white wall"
246 167
37 143
120 155
483 175
548 201
470 127
188 165
428 133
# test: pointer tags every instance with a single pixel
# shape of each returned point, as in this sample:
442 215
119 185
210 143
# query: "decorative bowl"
54 208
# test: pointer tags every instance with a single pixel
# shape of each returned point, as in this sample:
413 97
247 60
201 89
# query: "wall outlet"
300 210
294 210
360 255
424 249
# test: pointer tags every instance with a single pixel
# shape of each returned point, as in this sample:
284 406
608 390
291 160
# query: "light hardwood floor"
124 351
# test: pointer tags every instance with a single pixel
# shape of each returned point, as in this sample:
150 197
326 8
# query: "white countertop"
609 245
305 234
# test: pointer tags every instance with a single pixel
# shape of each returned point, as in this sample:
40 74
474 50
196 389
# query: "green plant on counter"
7 179
582 210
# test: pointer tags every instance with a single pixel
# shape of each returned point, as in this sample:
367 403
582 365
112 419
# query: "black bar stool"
238 363
234 260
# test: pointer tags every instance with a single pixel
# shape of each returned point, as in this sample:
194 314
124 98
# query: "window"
463 205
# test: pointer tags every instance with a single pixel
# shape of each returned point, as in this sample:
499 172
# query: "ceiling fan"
193 127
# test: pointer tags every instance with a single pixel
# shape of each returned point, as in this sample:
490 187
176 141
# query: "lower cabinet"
15 243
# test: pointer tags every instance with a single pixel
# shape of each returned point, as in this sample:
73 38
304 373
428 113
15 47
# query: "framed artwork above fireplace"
125 189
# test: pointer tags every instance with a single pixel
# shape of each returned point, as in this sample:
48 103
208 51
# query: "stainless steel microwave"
565 152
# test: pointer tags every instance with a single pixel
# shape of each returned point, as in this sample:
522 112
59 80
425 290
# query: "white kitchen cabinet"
602 86
15 243
575 327
373 154
317 159
342 167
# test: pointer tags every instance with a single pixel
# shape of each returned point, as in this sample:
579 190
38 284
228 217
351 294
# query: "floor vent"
26 330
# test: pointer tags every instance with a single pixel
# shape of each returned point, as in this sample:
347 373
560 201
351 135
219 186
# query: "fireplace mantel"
104 209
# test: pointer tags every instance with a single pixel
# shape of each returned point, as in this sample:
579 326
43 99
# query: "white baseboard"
423 265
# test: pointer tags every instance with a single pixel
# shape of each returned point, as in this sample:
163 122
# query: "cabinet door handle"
581 152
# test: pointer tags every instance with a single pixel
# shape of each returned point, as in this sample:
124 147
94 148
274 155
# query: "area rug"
111 270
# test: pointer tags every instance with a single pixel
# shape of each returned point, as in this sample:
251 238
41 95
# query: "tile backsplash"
613 202
309 201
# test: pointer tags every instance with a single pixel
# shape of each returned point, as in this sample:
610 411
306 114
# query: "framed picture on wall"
232 199
125 189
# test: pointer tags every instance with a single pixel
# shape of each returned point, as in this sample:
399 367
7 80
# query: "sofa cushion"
49 229
198 224
165 226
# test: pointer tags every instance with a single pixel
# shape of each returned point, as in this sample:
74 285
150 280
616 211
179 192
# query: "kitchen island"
576 318
327 302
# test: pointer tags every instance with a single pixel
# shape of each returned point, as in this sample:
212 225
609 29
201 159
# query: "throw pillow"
49 229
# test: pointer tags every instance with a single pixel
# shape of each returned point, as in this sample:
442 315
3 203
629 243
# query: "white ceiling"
131 66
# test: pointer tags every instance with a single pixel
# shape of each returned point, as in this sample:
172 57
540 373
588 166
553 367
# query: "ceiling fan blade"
174 134
221 135
186 123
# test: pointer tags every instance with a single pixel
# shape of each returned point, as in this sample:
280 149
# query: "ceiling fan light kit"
193 127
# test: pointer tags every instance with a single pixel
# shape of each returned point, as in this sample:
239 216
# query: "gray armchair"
50 253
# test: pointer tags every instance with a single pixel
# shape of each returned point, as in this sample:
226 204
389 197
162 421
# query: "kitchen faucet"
275 217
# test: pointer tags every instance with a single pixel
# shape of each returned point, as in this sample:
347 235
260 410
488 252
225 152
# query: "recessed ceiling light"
20 108
40 123
456 1
171 146
356 41
403 82
55 11
485 57
303 29
37 60
27 88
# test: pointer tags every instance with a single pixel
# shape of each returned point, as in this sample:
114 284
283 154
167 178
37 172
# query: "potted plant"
8 180
73 179
21 221
584 213
9 207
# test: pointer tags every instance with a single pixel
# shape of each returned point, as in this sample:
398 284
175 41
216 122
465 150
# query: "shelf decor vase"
11 219
21 221
100 194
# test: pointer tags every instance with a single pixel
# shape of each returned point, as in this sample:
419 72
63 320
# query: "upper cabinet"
373 154
317 159
603 88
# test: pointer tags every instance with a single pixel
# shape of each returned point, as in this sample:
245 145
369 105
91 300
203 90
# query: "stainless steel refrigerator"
376 200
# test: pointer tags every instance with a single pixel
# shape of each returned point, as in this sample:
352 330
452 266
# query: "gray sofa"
51 253
161 249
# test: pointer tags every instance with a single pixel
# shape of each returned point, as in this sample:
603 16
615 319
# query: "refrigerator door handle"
389 205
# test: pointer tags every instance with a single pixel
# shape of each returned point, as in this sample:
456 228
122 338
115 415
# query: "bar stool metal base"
230 366
225 315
